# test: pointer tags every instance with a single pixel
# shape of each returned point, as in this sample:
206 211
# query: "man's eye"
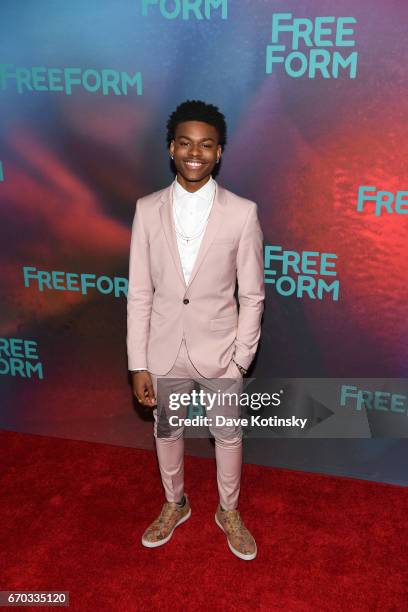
207 146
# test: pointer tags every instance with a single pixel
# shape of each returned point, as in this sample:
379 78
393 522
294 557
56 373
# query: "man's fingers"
148 398
145 401
143 389
150 393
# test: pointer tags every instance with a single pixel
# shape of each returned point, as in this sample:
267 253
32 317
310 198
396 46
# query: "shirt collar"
205 192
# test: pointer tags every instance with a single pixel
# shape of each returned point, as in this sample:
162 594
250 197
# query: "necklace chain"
183 234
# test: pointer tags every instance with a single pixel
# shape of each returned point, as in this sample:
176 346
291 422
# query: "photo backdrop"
315 98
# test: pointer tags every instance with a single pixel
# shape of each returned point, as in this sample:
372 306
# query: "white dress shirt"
190 214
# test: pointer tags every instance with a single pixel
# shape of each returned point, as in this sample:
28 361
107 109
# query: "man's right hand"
143 388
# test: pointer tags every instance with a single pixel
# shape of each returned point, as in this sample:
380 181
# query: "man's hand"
143 388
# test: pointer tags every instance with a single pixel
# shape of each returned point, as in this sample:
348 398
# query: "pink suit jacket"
161 307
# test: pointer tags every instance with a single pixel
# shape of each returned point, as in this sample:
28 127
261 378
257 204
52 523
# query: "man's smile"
193 164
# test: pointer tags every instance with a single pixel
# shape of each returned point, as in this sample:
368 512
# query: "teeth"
193 164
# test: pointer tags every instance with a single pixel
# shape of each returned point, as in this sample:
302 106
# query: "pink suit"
193 330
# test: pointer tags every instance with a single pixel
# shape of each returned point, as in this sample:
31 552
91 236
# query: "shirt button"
186 301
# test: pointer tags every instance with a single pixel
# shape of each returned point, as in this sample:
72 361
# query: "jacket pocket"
224 322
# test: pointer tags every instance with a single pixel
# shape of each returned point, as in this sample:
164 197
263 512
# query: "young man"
191 242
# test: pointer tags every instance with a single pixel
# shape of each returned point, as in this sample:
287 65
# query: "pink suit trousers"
228 439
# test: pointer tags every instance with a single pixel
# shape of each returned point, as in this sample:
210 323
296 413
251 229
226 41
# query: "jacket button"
186 301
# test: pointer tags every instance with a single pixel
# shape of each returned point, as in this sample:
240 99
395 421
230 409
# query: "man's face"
196 150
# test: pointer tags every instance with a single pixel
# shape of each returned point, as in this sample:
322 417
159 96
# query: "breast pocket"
223 322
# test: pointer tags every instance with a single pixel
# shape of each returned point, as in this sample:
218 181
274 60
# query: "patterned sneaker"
161 530
240 541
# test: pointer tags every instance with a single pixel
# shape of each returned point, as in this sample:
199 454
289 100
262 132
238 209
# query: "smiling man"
191 243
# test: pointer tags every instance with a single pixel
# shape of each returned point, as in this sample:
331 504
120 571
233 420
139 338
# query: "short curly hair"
197 110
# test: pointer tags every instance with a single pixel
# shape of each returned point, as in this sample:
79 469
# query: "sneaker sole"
236 552
167 538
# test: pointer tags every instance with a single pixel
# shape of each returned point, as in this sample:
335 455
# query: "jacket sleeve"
251 289
140 293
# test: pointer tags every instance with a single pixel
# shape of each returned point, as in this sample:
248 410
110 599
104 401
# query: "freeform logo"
69 281
40 78
20 358
382 201
186 9
314 35
373 400
306 266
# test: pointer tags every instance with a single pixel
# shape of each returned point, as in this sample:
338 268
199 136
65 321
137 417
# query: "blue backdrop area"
315 98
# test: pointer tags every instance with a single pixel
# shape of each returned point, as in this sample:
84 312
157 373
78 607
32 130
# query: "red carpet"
73 513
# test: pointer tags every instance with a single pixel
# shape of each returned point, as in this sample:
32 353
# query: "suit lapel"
213 225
